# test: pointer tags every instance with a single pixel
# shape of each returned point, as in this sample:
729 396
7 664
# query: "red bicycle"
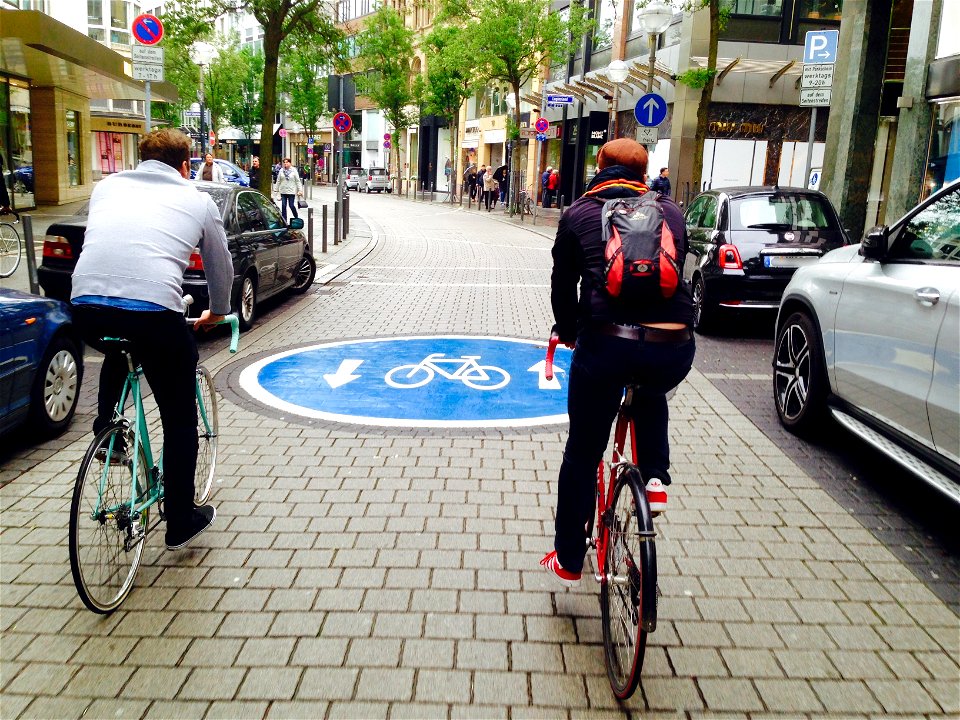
626 556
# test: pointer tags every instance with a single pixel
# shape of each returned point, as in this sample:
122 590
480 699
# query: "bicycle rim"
208 429
9 250
106 543
629 565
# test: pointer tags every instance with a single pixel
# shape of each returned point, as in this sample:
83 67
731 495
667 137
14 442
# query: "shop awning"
51 54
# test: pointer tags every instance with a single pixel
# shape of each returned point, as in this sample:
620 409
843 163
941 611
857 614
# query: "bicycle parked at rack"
10 246
623 537
116 489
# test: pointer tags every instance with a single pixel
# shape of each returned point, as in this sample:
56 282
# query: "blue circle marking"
435 381
650 110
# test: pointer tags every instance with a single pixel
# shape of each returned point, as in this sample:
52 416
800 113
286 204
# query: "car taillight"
57 246
196 262
728 258
370 178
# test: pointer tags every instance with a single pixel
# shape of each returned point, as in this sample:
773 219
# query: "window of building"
119 37
73 148
767 8
95 12
829 9
97 34
118 14
16 142
608 14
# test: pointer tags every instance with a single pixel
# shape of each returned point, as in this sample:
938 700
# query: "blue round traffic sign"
437 381
147 29
342 122
542 124
650 110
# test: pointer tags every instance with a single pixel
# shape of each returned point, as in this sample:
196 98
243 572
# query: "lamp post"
511 145
617 72
654 19
202 54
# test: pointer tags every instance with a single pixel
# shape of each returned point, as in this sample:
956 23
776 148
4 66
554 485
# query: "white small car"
352 177
871 335
376 180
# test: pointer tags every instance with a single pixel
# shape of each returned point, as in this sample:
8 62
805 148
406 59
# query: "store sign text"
718 127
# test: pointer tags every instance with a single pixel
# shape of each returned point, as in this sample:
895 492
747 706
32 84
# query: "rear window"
377 172
781 212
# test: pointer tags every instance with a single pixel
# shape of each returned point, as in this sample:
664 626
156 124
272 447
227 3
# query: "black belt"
647 334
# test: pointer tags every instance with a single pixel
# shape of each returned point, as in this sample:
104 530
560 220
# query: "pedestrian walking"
209 171
544 180
470 177
254 172
553 182
661 183
489 188
502 176
289 187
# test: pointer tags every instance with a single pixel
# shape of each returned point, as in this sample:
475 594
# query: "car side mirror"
296 224
874 245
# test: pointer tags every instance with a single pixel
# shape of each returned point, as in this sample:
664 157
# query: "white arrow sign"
651 107
541 369
344 373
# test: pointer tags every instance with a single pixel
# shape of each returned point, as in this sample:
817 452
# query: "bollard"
431 191
310 229
560 206
323 242
346 216
31 252
336 223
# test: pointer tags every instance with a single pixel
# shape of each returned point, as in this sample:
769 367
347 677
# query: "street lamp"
654 19
202 54
617 72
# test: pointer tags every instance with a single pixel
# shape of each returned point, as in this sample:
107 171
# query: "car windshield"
781 211
219 193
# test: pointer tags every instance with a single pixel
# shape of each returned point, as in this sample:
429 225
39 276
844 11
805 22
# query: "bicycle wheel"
9 250
208 430
106 541
486 377
409 376
630 584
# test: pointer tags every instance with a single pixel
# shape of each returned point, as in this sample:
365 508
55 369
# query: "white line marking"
415 283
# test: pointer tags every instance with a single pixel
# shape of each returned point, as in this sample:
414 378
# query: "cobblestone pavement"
357 572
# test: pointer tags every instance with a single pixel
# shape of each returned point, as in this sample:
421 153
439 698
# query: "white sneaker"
656 496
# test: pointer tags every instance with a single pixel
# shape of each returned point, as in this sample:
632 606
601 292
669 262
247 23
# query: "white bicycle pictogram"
466 369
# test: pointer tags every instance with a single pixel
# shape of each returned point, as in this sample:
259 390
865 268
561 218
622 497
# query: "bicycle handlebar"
232 320
551 350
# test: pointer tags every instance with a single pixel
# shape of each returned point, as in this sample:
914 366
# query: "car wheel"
247 302
303 277
799 376
56 387
389 191
703 314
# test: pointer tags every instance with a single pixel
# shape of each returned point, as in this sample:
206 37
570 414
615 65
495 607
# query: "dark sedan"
41 363
269 256
746 243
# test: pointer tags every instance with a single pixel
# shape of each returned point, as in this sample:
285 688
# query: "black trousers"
165 347
601 367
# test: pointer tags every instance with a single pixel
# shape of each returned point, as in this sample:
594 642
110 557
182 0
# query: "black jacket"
578 258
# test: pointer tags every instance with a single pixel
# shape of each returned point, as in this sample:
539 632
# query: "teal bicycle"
119 484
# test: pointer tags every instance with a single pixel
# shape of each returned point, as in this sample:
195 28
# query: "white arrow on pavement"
541 369
344 373
650 106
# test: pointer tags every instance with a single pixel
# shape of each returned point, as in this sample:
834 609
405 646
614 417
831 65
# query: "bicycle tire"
104 569
411 370
208 432
630 565
10 250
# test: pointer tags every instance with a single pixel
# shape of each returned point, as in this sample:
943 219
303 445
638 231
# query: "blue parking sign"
820 46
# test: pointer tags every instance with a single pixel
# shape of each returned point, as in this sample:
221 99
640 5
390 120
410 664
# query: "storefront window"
830 9
943 165
16 143
73 148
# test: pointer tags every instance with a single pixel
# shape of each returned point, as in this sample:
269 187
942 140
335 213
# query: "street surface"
369 571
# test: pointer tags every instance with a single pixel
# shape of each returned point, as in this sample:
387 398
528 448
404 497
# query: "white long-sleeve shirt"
142 227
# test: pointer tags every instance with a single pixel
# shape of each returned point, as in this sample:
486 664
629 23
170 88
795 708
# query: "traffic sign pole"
819 56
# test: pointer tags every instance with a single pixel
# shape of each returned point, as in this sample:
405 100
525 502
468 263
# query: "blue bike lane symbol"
439 381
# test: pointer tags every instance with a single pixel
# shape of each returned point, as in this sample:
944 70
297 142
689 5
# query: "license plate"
788 261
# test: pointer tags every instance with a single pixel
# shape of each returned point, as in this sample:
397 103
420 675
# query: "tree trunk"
271 53
706 96
453 159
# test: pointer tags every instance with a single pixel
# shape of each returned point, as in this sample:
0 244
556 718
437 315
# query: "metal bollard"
323 242
31 252
336 223
310 229
560 206
346 216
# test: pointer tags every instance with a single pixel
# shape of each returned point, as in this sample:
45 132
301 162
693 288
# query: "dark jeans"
601 367
547 198
165 346
292 201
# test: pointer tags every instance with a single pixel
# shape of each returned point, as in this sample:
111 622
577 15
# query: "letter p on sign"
821 46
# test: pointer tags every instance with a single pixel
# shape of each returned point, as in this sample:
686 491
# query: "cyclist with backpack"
631 324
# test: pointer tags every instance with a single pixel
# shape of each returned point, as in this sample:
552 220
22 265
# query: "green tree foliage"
242 107
303 84
386 55
283 22
223 79
449 81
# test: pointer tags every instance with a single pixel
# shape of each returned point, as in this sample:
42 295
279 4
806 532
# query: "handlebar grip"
551 350
234 323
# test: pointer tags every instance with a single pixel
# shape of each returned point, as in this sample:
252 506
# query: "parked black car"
746 243
269 256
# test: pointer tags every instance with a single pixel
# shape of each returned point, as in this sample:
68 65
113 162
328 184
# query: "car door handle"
927 296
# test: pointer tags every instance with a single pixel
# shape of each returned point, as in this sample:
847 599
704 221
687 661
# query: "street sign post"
147 61
815 97
817 75
150 73
650 110
820 46
342 122
816 82
147 29
647 135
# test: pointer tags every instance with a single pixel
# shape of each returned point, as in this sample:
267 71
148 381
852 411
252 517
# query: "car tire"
799 376
704 314
303 275
389 192
247 302
56 387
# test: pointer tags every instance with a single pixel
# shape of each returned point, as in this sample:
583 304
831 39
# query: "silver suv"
376 179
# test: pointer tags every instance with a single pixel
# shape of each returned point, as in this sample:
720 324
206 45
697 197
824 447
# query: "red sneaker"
553 567
656 496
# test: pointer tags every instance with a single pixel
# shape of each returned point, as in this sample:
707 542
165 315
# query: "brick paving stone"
845 696
269 683
353 710
327 684
788 696
211 684
297 709
729 695
554 691
97 681
147 683
676 694
420 711
391 685
237 710
447 686
902 696
751 663
41 679
43 708
482 655
175 710
428 654
500 688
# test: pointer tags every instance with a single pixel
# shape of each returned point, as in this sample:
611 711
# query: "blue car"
41 363
231 173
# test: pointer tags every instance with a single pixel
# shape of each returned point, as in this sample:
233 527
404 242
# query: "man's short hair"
169 146
662 169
